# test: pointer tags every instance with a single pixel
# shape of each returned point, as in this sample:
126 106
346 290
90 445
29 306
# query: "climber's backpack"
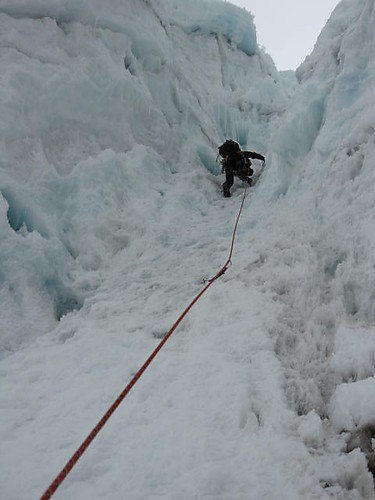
229 147
243 166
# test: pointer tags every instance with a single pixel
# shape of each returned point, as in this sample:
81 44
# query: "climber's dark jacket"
233 165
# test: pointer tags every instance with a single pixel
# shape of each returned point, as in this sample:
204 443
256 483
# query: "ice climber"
236 163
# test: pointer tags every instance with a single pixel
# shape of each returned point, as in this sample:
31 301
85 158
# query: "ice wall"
334 106
323 179
326 142
99 105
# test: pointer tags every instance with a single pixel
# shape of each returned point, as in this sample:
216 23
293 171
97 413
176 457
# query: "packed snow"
112 215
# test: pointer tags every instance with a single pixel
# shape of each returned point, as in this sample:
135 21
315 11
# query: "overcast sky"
288 29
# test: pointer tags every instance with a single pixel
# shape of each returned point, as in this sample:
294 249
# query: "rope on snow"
82 448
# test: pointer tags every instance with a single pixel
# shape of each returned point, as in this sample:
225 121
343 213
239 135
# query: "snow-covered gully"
111 215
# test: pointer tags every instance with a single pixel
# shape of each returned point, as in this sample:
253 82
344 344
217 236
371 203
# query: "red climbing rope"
74 459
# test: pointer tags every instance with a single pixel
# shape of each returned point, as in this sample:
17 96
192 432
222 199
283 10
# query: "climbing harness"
76 456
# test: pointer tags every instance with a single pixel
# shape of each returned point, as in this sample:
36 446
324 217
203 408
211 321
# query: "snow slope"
110 216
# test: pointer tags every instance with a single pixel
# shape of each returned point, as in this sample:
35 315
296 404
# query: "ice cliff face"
336 83
82 87
322 173
324 147
177 65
